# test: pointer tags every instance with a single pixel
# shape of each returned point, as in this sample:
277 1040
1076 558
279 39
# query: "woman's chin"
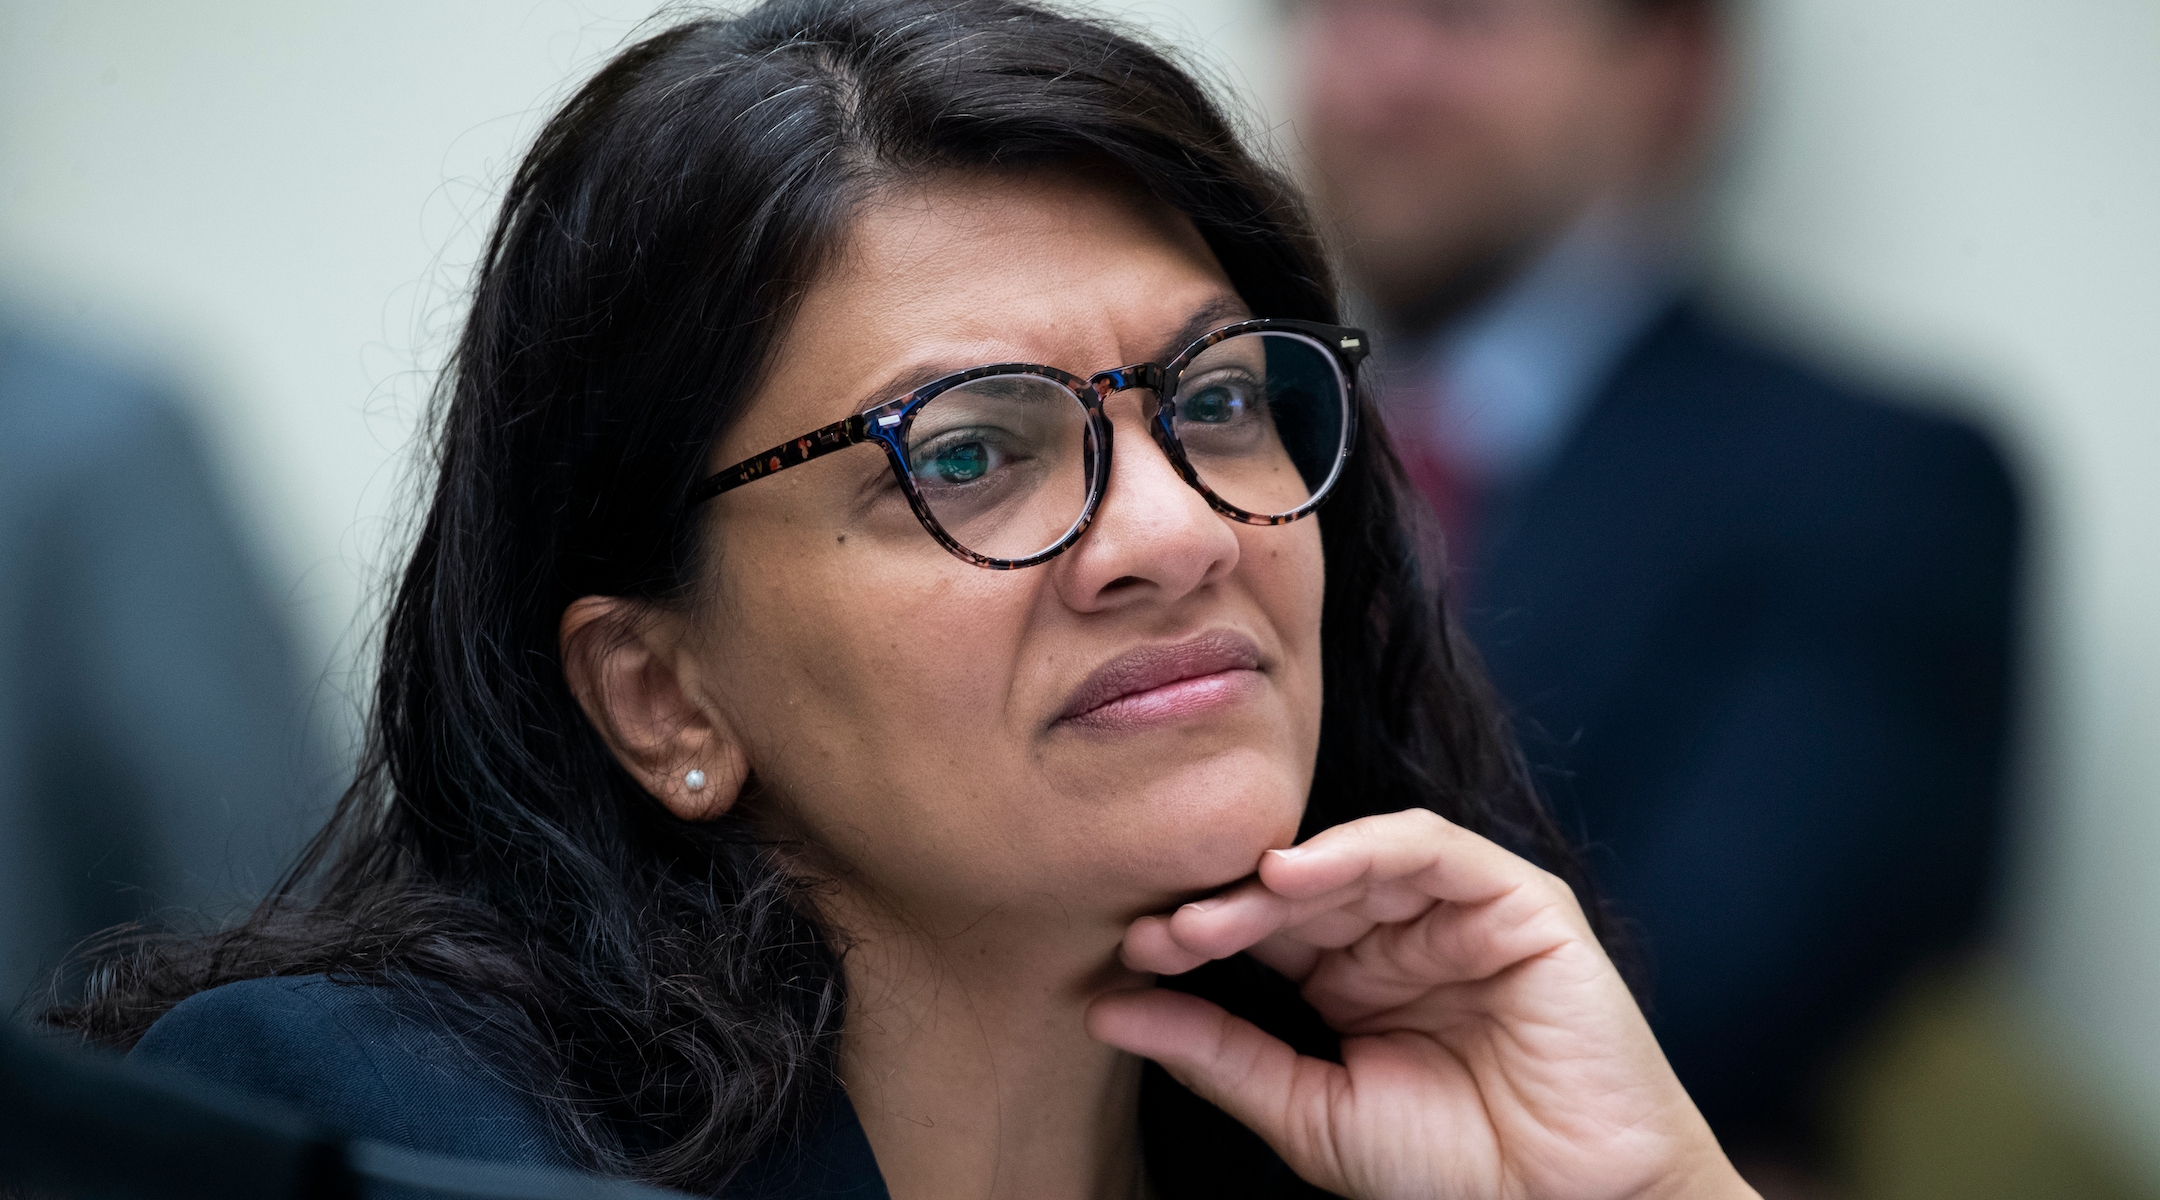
1190 837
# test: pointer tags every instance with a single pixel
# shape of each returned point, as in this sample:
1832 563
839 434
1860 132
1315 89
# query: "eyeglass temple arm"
815 444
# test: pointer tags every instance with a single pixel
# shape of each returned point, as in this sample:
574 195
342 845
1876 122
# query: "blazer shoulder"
369 1061
1774 410
1695 354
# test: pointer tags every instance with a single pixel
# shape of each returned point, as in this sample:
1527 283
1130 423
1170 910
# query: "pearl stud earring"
694 780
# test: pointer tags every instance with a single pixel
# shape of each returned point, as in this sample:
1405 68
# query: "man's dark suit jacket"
1756 627
158 747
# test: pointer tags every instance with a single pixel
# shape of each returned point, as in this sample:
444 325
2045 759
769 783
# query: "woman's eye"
962 464
956 460
1216 404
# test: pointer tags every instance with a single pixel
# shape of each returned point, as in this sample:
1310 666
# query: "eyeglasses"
1006 464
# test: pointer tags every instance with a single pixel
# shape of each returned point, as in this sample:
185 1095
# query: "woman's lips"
1153 685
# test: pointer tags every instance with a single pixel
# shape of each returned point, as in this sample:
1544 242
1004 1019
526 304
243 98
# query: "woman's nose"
1154 538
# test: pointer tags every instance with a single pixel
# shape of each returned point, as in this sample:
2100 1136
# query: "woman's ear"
631 674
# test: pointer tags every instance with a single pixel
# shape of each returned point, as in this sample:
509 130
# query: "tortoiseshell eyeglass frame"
888 425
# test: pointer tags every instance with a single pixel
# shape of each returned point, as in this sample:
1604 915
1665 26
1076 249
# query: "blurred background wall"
279 203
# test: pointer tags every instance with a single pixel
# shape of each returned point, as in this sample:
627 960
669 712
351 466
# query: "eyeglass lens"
1262 417
1003 463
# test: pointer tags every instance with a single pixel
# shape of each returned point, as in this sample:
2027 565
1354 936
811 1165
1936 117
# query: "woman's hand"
1489 1047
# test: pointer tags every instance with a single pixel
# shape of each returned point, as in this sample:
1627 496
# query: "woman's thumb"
1227 1061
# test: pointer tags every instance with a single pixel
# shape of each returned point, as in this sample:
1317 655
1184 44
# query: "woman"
798 731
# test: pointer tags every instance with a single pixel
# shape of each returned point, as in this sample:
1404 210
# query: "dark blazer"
1756 626
400 1067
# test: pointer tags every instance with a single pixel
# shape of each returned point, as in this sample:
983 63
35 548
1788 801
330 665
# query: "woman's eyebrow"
906 380
1216 313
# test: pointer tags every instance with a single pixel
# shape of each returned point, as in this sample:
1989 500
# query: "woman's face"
1131 722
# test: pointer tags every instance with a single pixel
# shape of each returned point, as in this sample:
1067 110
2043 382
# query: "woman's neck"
967 1061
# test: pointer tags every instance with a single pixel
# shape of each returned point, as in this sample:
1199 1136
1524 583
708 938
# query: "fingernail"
1208 905
1288 852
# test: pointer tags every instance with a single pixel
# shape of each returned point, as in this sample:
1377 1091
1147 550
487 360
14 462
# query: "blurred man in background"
1756 624
157 757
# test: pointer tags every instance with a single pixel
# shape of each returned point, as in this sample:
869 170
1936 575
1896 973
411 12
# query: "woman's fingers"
1334 890
1239 919
1288 957
1219 926
1228 1062
1484 1032
1149 947
1422 963
1421 849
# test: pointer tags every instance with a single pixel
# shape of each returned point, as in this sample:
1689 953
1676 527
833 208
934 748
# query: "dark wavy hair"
664 987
